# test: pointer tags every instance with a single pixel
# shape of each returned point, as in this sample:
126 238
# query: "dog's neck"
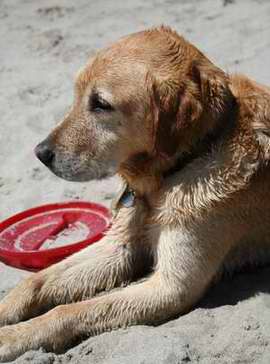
144 174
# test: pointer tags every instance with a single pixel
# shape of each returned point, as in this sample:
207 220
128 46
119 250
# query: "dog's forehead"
111 68
128 60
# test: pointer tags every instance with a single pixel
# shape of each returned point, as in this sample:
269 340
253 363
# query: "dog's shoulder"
252 97
254 108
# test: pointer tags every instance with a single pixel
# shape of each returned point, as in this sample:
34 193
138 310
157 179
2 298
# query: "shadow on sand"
241 286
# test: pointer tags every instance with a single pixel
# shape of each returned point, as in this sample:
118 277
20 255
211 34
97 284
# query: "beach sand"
42 46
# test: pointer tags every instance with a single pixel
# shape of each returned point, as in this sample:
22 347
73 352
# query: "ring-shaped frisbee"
43 235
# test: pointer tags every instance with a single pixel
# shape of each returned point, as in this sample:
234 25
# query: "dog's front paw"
3 320
7 315
14 341
48 331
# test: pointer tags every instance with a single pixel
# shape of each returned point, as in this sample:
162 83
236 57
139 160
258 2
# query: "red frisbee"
41 236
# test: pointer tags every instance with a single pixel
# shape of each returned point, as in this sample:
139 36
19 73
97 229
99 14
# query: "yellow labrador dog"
191 144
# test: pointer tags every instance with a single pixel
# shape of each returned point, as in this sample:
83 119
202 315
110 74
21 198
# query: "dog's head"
150 96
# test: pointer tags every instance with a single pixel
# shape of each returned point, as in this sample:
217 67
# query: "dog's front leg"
117 259
144 303
185 267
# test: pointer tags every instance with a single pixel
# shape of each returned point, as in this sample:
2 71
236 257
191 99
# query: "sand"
42 45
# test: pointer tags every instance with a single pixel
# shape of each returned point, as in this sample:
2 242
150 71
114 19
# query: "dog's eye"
98 104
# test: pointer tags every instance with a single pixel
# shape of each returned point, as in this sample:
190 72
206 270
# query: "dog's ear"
186 111
174 111
216 95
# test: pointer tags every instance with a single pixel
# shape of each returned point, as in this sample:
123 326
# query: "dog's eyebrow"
103 94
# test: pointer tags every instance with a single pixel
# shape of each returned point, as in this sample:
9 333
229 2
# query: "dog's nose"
45 153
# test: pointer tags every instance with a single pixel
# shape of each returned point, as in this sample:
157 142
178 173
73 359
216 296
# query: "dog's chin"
82 176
